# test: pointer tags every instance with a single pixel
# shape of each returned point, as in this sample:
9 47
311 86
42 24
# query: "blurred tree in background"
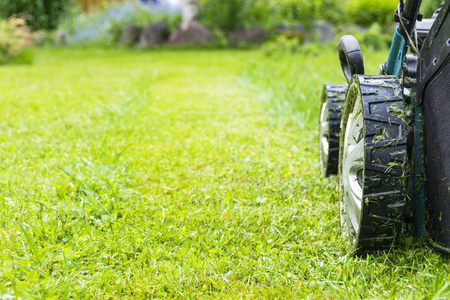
39 14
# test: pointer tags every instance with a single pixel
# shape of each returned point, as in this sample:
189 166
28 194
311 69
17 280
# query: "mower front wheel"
333 97
372 164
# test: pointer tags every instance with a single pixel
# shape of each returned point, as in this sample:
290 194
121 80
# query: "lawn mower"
387 136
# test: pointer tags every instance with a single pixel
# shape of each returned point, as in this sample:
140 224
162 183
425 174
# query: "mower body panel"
434 94
396 55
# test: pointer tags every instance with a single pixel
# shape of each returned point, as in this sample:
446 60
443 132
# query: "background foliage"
40 14
103 27
228 15
366 12
14 40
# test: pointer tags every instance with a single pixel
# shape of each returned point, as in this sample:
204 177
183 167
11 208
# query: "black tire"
333 97
372 163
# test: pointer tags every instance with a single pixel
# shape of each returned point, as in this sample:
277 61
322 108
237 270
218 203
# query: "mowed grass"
180 174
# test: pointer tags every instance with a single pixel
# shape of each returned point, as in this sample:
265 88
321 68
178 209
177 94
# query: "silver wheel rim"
324 137
352 171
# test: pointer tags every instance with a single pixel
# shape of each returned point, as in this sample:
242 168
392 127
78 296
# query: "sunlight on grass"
179 174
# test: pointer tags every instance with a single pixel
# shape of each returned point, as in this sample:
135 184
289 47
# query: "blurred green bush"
15 39
375 38
366 12
332 11
229 15
226 15
39 14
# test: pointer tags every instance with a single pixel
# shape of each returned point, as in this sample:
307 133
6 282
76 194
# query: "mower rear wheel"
333 97
372 163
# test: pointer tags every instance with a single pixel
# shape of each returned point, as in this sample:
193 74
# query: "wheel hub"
324 135
353 165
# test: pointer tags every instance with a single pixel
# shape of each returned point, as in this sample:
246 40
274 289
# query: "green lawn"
184 174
